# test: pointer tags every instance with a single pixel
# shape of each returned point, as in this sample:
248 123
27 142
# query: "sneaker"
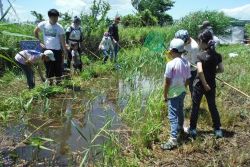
170 145
192 133
218 133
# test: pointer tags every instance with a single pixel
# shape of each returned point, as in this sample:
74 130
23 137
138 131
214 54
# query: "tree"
38 16
158 9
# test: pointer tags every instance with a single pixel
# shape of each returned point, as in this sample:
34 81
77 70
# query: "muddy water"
90 111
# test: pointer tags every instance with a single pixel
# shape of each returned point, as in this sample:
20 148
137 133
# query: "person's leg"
173 106
49 65
180 111
105 54
210 96
191 80
58 65
69 59
116 49
196 100
174 118
29 75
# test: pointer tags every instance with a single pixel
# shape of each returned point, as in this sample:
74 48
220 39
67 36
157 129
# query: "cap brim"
52 59
200 26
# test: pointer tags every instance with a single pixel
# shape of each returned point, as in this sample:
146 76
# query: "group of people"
195 65
62 50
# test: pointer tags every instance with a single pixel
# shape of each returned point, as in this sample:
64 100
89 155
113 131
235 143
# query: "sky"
239 9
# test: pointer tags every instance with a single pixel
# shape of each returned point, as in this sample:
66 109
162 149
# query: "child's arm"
202 77
101 43
166 88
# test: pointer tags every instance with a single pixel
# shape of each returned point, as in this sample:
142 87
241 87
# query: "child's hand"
42 45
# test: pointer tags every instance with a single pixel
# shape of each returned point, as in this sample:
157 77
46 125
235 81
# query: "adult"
209 64
114 34
192 50
74 36
54 40
207 26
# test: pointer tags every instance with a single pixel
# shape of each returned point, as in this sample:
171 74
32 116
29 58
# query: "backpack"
71 30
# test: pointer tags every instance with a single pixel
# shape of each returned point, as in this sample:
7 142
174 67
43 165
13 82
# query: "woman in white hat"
26 59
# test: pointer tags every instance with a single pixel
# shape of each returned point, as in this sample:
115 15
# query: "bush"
247 27
131 21
142 19
190 22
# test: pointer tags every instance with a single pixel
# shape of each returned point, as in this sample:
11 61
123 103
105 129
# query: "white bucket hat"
50 55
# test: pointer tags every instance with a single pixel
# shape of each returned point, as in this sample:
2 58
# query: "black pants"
54 68
191 80
198 92
69 59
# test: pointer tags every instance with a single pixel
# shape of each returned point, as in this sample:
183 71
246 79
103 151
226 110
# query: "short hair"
53 12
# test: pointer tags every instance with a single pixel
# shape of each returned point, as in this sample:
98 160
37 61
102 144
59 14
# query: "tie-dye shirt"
178 71
31 55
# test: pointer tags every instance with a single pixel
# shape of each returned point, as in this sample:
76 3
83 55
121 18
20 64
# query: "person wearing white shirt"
53 39
106 46
192 50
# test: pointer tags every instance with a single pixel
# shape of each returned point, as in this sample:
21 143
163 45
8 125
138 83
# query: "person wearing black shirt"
209 63
114 34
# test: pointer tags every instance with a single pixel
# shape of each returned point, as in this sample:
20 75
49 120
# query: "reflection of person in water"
65 135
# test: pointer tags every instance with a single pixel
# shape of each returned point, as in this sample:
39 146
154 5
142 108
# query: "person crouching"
27 59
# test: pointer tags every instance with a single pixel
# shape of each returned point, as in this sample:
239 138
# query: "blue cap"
182 34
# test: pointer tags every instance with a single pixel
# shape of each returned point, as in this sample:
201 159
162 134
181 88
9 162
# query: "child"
209 63
27 58
106 45
176 76
77 63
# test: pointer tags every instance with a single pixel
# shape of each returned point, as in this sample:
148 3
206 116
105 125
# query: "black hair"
53 12
207 37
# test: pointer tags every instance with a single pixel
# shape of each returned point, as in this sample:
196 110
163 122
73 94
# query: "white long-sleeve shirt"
106 44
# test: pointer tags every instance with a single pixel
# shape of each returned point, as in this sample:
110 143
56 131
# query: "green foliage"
247 27
158 9
65 18
142 19
39 142
218 21
39 17
131 20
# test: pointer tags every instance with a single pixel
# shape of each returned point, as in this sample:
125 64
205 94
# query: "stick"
233 87
92 53
47 122
228 84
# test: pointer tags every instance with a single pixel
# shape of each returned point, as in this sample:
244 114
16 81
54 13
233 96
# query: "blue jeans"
116 49
29 73
106 55
175 114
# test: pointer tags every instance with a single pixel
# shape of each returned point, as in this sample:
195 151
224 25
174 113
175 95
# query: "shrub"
247 27
190 22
